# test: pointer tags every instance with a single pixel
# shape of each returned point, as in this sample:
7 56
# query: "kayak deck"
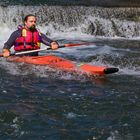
63 64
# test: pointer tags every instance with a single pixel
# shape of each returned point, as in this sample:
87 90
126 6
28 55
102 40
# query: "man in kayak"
27 38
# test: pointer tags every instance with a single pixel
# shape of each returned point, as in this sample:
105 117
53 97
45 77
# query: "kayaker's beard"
32 28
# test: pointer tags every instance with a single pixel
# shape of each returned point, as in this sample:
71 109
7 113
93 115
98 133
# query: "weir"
103 3
97 21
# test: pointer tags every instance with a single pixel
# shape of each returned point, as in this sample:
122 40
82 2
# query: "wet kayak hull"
63 64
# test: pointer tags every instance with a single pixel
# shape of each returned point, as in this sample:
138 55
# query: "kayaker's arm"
10 42
47 41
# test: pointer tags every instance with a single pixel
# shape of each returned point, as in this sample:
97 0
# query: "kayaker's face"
30 23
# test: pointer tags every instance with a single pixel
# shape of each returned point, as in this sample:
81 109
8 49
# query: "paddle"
72 45
47 48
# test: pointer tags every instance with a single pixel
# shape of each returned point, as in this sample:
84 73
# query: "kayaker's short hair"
30 15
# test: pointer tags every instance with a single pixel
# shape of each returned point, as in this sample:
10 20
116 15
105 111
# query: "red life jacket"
28 40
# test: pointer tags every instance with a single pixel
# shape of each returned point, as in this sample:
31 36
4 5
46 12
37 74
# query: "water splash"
80 20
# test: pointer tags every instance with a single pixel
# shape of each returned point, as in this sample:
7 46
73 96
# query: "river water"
40 103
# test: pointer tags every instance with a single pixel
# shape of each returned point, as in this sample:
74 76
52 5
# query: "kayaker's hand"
54 45
6 53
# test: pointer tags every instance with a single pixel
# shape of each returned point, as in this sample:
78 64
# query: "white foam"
77 52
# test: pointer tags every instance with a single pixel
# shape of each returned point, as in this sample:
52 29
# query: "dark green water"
59 106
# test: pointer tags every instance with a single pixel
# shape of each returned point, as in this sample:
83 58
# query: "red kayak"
64 64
